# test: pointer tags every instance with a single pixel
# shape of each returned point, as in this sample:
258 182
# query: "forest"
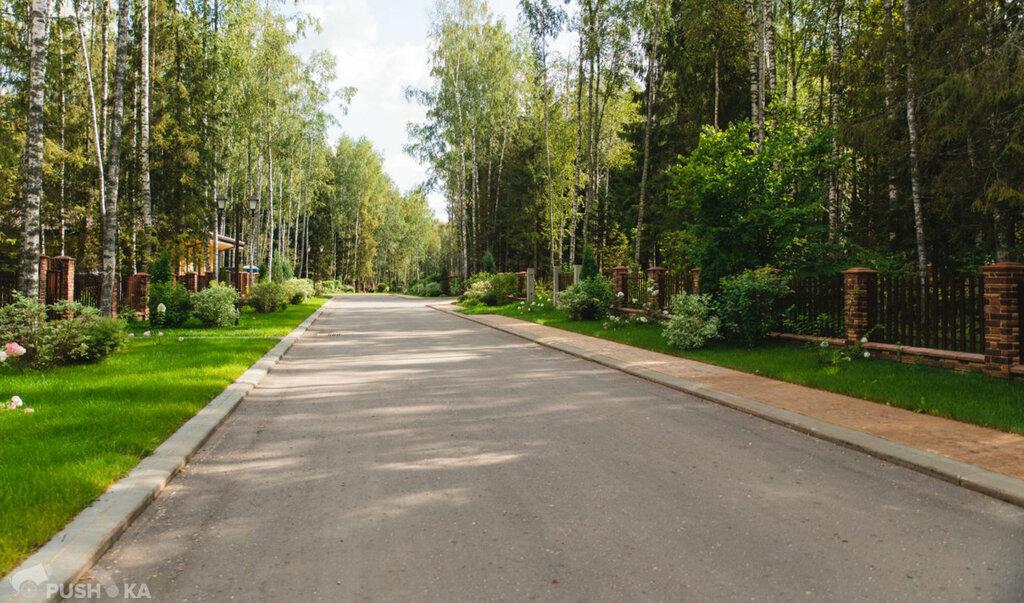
122 123
810 136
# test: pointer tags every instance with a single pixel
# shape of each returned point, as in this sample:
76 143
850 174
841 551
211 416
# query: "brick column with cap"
1003 283
66 266
695 281
138 293
860 286
659 275
619 276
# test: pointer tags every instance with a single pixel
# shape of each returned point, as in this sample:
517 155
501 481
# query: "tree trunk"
769 54
32 185
754 66
834 90
915 178
114 163
579 146
144 189
717 86
652 65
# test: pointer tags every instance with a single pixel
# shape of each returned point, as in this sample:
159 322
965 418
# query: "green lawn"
967 397
93 423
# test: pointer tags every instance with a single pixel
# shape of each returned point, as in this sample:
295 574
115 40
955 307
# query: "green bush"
65 339
504 286
267 296
103 337
691 324
282 269
177 303
382 287
298 290
215 306
160 271
589 299
748 304
429 289
490 289
478 294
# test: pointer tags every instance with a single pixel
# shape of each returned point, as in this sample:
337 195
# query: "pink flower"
160 334
181 338
29 411
131 334
14 350
148 334
16 402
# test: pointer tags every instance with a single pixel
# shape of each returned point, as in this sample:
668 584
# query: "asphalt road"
400 454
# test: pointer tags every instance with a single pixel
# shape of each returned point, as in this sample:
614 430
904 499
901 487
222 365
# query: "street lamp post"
221 202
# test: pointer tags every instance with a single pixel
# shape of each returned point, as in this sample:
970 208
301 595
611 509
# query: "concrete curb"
75 549
996 485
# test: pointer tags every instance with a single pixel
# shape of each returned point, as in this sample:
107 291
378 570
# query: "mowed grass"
92 424
966 397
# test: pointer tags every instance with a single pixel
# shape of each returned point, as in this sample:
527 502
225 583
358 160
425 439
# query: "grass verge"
93 423
966 397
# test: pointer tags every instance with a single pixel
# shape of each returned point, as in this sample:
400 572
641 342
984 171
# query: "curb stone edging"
76 548
965 475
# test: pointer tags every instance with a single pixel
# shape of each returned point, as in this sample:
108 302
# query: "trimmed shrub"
177 303
215 306
589 299
103 337
267 296
298 290
691 324
589 263
748 304
65 339
281 269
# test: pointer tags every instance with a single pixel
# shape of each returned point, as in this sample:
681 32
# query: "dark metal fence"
942 312
87 289
676 284
636 292
1020 313
564 281
8 285
814 306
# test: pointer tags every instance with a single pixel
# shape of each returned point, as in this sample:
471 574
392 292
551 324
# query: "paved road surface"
400 454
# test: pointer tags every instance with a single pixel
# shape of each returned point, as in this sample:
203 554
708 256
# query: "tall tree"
32 165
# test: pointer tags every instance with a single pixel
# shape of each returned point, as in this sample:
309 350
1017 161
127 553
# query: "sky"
381 48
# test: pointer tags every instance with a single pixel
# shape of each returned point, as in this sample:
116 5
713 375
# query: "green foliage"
75 333
103 337
446 282
267 296
589 299
337 287
590 268
282 270
749 304
298 290
488 264
428 289
177 302
490 289
160 271
750 205
215 306
691 323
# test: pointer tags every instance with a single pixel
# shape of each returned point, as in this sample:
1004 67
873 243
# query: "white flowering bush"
215 305
691 323
589 299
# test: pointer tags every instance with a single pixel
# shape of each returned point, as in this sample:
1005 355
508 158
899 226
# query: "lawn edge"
74 550
965 475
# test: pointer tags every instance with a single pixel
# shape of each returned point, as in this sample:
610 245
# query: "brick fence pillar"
138 293
66 265
859 293
695 281
44 270
620 274
1003 282
659 275
521 287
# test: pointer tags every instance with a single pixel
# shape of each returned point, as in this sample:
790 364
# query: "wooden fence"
814 306
8 285
87 289
943 312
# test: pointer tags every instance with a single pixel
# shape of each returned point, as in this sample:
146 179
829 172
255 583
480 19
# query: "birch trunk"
651 83
114 163
144 188
32 185
834 90
915 178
